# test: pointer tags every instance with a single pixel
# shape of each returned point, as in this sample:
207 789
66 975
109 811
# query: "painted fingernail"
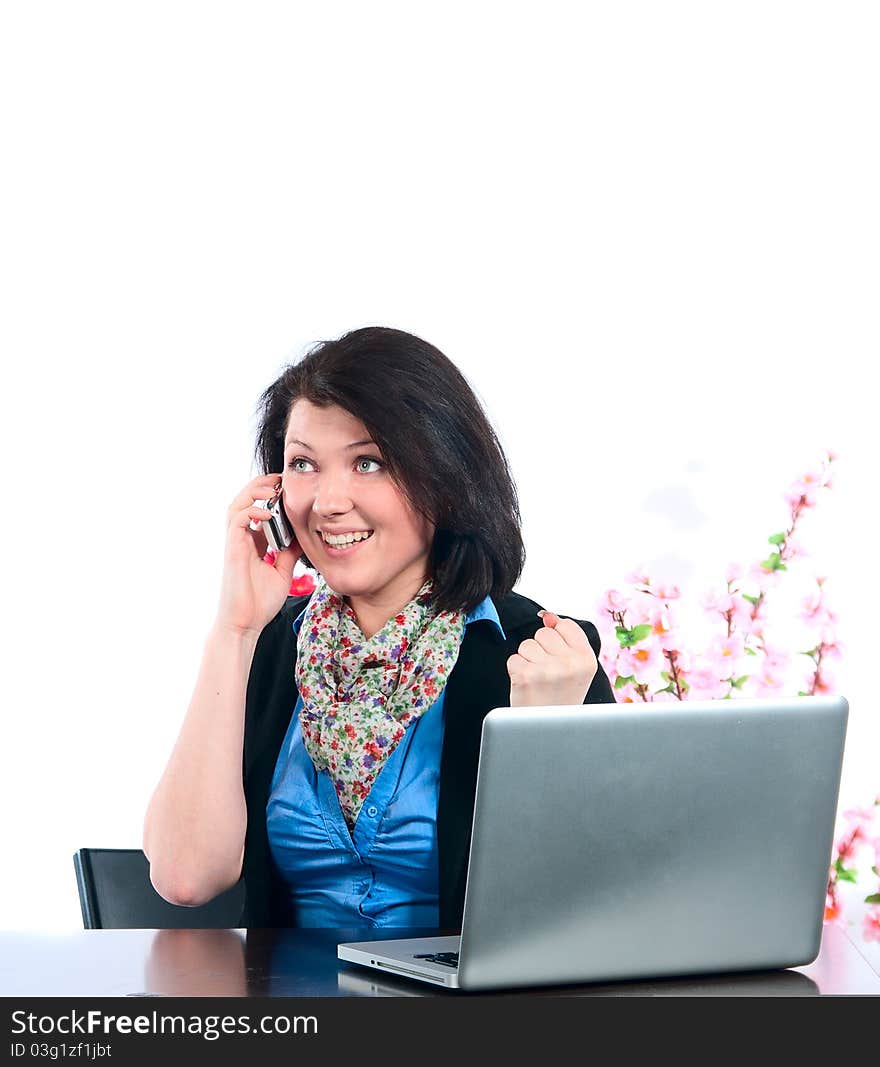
542 612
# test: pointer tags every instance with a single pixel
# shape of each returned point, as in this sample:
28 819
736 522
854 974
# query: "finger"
252 517
568 630
260 488
525 674
552 642
530 650
517 667
285 561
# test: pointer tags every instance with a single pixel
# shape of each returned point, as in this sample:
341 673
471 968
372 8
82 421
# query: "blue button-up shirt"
385 872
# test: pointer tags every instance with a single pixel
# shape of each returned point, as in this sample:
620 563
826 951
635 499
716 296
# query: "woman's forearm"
195 824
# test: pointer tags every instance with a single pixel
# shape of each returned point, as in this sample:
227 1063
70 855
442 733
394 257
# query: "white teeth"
346 539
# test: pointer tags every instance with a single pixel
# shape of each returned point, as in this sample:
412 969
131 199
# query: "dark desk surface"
303 963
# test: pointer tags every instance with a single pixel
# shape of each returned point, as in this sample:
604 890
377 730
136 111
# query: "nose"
330 500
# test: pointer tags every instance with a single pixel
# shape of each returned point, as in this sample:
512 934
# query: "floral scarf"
360 694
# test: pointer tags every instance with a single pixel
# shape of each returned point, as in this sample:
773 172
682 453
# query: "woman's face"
335 481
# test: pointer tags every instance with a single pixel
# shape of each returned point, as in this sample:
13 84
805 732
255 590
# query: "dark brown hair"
436 441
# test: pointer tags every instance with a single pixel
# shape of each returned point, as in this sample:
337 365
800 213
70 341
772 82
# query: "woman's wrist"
226 634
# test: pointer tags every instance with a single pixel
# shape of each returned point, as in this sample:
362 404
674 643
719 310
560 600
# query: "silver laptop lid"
670 838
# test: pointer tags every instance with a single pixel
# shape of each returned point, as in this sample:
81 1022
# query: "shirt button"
372 811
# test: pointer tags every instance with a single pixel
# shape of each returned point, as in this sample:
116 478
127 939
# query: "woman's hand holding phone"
252 591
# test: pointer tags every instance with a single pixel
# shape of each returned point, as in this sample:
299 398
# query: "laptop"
631 841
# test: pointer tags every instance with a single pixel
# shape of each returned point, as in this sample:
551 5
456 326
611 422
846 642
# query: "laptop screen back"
668 838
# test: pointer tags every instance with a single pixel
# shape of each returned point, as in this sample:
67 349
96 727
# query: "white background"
646 233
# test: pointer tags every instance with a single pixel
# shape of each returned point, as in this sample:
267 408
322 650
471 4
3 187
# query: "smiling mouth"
344 548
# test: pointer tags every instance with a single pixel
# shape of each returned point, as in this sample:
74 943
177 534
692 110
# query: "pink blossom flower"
858 817
764 579
667 591
823 682
827 628
809 482
742 614
733 572
770 672
833 651
715 602
643 608
795 548
614 602
643 661
871 924
639 576
764 685
803 492
849 842
706 685
724 654
668 640
658 616
833 911
672 641
685 660
811 605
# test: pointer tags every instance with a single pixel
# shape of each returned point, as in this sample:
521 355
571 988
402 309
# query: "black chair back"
115 892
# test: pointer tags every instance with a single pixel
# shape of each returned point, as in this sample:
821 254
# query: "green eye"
361 459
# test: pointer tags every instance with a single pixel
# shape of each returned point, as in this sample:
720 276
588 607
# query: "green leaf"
773 563
873 898
628 638
801 693
776 539
874 869
668 689
750 651
620 682
845 874
738 683
751 599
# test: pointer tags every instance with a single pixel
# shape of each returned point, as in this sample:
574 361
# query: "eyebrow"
302 444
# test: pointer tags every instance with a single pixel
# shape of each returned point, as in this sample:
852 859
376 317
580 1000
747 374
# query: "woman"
329 755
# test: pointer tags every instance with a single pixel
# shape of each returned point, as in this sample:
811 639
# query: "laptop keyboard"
448 959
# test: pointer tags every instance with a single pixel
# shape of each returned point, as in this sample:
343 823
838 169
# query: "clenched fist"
554 667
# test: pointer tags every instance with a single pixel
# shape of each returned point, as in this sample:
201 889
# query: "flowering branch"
650 659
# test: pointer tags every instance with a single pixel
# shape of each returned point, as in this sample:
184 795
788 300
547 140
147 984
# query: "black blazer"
477 683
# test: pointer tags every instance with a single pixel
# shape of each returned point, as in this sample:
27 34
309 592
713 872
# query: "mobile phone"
279 533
